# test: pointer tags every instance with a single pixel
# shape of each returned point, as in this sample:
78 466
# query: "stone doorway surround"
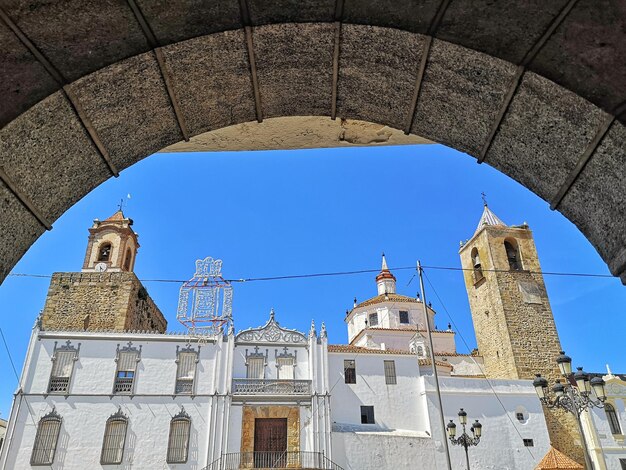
250 413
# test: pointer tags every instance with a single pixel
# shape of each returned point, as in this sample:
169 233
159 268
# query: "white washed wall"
501 447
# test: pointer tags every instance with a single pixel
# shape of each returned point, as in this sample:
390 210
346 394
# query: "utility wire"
477 364
17 378
344 273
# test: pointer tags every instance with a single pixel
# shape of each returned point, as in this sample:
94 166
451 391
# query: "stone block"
49 156
461 95
507 29
377 72
23 80
294 65
79 36
587 52
18 230
290 11
212 92
184 19
407 15
596 199
130 109
543 134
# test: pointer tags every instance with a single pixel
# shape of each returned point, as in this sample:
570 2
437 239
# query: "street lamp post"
574 399
465 439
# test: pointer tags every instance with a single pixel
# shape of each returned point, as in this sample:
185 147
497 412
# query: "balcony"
271 387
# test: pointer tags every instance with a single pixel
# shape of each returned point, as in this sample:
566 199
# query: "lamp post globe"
565 363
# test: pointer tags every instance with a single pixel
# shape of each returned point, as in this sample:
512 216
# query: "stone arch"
512 84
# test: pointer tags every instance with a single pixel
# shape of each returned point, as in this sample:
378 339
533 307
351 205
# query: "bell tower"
112 245
514 325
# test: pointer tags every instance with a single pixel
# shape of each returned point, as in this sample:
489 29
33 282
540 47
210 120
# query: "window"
478 270
127 260
285 368
46 439
404 317
256 368
622 462
390 373
373 318
367 415
529 443
186 359
519 416
63 360
512 255
114 439
613 419
104 253
127 359
349 370
178 443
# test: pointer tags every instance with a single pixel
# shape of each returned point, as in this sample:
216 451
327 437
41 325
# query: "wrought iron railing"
271 387
58 384
123 385
303 460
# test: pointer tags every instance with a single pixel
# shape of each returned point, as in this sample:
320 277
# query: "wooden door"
270 442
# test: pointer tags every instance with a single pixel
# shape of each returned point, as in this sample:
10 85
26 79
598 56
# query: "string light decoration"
205 302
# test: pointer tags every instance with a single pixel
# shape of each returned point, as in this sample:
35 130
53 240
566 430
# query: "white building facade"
272 397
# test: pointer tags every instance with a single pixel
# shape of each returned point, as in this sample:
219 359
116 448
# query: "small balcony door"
270 442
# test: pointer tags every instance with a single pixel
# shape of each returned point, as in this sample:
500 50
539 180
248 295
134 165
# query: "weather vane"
484 196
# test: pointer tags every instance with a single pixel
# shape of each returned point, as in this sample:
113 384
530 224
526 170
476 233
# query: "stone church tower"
106 295
514 325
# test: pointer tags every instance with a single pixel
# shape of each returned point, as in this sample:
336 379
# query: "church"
104 385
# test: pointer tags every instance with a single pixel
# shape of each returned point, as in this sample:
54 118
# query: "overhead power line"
345 273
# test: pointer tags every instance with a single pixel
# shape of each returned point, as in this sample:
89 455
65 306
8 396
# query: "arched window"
613 419
104 252
178 444
478 270
512 255
46 439
114 439
127 260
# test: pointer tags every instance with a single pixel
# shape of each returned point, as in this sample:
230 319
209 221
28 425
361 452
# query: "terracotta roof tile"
345 348
387 298
555 460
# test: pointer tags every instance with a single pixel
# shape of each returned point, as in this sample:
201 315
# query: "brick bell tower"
514 325
106 295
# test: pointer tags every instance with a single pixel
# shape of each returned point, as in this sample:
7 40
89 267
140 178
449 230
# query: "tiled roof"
488 218
119 215
380 328
345 348
426 362
555 460
387 298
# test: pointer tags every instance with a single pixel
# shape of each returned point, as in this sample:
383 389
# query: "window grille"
178 443
373 318
367 415
529 443
187 359
114 439
256 368
46 439
349 370
63 360
404 317
613 419
390 373
127 359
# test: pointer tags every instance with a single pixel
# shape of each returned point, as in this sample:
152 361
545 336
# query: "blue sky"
313 211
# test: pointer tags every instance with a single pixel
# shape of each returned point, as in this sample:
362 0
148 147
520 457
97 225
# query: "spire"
488 218
385 280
